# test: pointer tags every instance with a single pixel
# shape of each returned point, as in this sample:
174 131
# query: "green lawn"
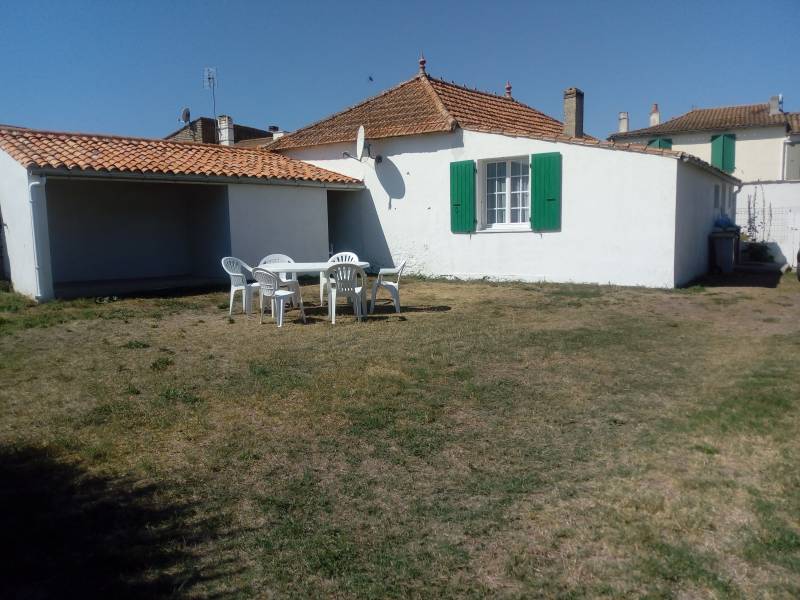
503 440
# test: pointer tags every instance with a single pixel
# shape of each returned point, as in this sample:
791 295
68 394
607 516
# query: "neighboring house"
471 184
753 142
97 215
757 143
222 131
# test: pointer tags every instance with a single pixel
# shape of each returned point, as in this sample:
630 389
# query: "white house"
471 184
462 183
92 214
757 143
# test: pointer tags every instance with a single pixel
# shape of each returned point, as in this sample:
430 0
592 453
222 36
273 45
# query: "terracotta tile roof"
714 119
794 122
87 152
424 105
258 142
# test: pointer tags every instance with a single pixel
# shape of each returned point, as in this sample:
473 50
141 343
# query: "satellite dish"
186 115
360 142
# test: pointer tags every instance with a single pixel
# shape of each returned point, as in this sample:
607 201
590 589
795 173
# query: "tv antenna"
210 83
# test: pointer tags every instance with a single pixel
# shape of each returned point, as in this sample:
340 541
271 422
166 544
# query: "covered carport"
90 215
118 237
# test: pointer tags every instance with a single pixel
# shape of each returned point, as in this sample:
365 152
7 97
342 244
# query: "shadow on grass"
70 534
766 279
380 309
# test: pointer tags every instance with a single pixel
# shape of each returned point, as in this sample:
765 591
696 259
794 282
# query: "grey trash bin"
724 244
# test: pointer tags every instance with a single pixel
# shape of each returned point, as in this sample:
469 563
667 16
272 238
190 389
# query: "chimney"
623 122
573 112
655 115
508 89
775 105
225 127
276 132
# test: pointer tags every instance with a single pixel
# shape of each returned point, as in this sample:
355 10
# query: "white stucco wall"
26 244
267 219
777 205
618 219
694 220
759 150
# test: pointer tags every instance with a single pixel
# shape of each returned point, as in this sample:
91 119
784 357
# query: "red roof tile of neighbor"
716 119
425 105
104 153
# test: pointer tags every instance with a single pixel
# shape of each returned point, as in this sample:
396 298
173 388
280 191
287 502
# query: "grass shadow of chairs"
68 533
384 311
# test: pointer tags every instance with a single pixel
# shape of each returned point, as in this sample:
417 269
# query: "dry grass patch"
512 440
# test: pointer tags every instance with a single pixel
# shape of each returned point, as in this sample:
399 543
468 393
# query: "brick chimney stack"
508 89
655 115
573 112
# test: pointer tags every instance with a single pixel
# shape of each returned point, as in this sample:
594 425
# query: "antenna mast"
210 83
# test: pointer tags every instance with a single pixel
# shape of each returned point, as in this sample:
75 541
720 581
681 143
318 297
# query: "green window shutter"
546 187
729 152
660 143
717 145
462 196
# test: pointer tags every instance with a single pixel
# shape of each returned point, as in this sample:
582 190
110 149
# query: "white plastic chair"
288 280
341 257
393 287
345 278
237 270
270 287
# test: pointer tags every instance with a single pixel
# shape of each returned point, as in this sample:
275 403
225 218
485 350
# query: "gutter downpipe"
31 184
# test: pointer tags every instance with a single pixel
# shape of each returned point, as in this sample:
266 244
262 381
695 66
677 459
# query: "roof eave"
133 176
647 132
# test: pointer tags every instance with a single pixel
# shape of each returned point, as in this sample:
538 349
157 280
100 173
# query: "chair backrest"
344 257
269 281
236 269
275 258
346 277
400 270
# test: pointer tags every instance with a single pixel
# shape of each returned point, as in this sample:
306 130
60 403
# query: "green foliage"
162 363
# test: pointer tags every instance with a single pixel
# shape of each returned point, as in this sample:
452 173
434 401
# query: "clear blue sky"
128 67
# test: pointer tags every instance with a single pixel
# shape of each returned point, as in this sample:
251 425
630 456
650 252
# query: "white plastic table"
306 268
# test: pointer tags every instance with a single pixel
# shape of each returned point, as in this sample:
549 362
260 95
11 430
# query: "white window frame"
483 224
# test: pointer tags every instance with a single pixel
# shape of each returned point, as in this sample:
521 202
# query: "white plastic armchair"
348 281
288 280
270 289
238 270
341 257
393 287
271 259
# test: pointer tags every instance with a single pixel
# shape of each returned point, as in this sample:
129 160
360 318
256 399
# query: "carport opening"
115 238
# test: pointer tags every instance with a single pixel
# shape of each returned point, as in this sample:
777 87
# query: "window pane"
491 170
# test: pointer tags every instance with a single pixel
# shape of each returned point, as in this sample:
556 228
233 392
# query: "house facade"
757 143
87 215
470 184
462 183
